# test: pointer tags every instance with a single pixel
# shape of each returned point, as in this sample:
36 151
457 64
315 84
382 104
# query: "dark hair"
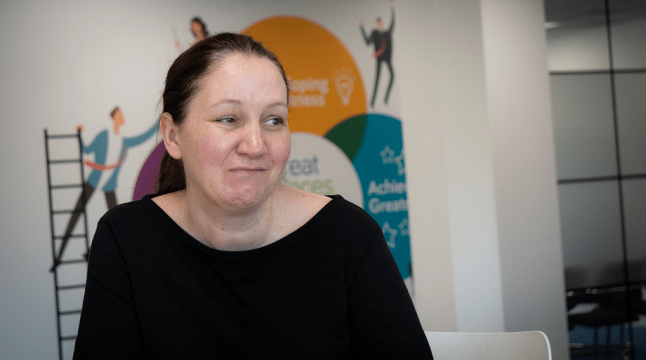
202 25
182 82
114 111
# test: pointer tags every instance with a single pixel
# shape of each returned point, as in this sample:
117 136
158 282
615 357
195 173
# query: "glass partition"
576 35
584 130
597 63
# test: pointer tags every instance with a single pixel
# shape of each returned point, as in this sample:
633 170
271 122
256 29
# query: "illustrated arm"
134 141
392 19
108 328
382 320
366 38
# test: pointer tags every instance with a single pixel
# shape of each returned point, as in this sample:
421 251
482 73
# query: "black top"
382 40
329 290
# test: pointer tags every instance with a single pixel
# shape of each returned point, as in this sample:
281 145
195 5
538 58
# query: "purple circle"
146 180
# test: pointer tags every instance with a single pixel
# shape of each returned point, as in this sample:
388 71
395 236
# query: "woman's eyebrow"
227 101
277 103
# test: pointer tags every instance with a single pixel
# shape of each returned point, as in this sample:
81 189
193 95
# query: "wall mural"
109 149
339 144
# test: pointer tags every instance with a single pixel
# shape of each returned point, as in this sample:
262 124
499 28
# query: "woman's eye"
274 121
227 120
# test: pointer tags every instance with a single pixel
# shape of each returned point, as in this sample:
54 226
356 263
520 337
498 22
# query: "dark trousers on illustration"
390 84
88 189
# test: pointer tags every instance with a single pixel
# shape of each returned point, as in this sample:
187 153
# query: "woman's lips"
248 169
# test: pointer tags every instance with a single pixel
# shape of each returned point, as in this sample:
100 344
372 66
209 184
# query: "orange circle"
326 85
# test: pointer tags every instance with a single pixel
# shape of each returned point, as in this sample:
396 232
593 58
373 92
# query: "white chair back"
528 345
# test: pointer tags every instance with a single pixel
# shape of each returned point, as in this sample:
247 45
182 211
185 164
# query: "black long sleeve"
330 290
108 326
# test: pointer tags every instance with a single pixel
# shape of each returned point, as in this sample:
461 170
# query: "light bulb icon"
344 86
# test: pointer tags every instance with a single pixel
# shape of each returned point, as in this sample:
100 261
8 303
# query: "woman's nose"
252 142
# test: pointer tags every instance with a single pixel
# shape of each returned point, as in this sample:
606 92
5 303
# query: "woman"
225 262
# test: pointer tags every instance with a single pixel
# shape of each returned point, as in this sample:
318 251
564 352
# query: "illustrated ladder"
58 287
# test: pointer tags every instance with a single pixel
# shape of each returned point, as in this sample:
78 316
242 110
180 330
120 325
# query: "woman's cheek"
205 150
286 150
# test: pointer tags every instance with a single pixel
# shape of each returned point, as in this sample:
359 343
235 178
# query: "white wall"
481 162
426 171
453 220
524 169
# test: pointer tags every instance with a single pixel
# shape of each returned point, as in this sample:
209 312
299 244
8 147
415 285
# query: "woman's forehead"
244 73
242 80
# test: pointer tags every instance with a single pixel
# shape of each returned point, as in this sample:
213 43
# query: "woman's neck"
227 228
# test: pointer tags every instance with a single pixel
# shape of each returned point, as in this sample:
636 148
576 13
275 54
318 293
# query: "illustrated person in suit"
109 149
383 43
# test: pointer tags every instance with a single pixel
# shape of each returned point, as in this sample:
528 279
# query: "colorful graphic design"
318 165
325 81
336 147
378 156
148 174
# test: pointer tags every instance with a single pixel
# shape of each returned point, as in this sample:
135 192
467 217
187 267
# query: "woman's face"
234 141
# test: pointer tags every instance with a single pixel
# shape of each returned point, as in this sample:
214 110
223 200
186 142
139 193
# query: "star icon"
390 237
403 227
387 155
399 160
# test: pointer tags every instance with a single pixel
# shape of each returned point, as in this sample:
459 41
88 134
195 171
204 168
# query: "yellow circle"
326 85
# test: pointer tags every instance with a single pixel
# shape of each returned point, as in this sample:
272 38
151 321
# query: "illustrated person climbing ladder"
383 43
106 160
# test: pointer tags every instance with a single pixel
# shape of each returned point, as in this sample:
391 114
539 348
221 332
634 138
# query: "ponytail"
171 176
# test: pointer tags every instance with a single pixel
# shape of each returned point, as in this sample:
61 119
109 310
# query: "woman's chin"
247 200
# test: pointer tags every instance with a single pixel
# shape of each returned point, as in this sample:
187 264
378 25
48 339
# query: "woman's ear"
169 132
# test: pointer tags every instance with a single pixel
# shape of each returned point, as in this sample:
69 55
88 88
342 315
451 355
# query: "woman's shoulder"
138 212
127 208
298 201
305 208
294 208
